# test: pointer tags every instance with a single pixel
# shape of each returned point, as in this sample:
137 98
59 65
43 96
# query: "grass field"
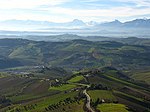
26 97
32 90
1 76
110 107
4 75
104 81
102 94
142 76
76 79
45 102
73 107
22 97
123 82
55 99
63 87
129 96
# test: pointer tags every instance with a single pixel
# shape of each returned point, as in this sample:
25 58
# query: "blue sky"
67 10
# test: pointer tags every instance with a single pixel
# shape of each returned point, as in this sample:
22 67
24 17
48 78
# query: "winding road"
88 101
88 98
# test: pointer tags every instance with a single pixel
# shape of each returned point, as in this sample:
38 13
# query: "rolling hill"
44 76
75 54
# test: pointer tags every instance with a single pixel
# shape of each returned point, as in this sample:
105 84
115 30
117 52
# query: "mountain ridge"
79 23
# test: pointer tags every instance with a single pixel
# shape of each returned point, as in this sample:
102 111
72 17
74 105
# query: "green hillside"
108 88
75 76
76 54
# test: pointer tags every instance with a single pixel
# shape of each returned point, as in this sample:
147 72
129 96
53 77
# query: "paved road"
88 101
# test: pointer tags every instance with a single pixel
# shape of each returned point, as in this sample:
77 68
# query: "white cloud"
32 9
28 4
137 2
113 12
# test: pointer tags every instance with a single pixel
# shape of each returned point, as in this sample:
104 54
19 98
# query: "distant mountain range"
142 23
31 24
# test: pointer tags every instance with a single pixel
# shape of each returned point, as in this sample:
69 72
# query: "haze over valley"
134 28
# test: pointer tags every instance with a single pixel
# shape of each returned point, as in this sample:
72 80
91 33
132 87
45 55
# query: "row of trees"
25 108
97 87
4 101
61 103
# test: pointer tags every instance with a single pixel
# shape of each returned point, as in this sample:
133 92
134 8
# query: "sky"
67 10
